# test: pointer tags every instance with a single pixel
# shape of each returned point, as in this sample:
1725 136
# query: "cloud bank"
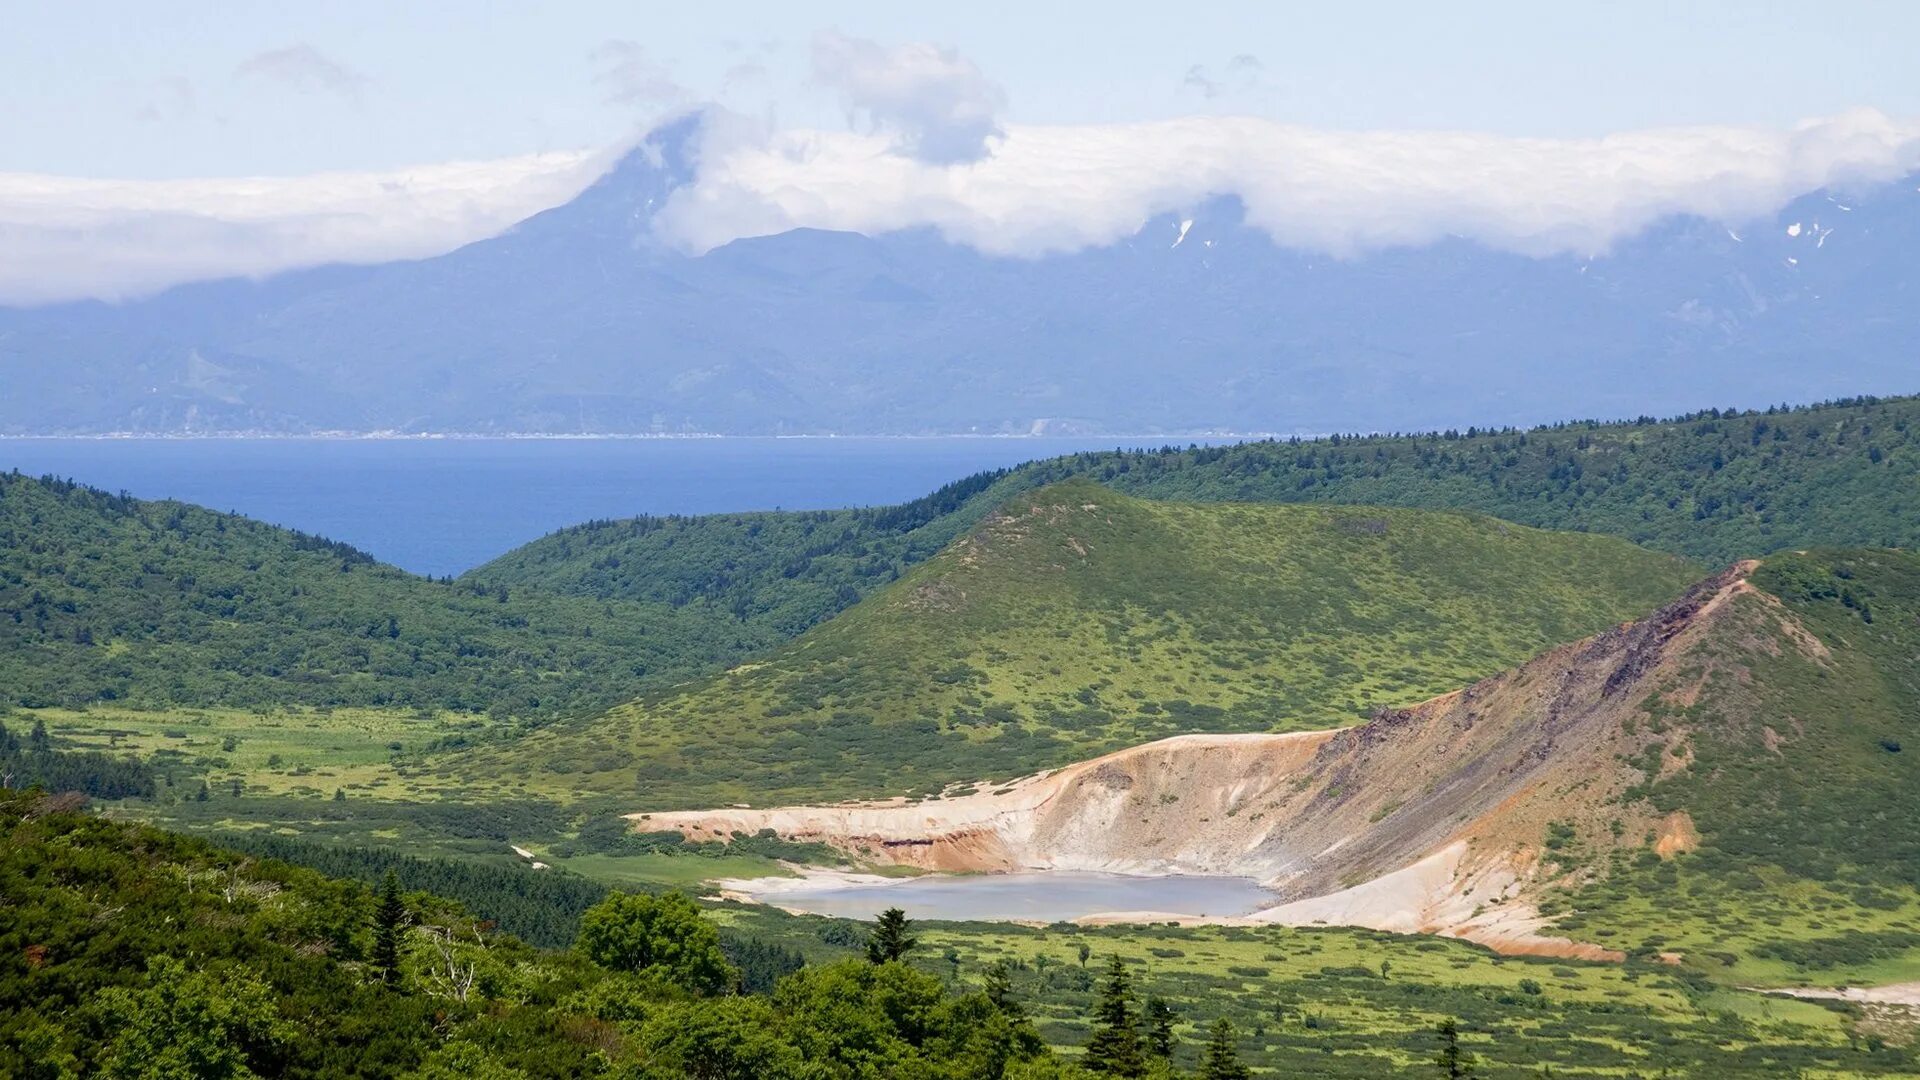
64 238
1025 191
1054 189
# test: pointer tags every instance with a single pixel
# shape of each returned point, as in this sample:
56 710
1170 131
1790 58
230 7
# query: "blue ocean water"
441 506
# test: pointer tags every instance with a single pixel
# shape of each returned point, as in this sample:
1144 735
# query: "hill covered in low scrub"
1075 619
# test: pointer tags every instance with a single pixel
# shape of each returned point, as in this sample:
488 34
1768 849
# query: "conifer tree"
1159 1028
1454 1063
1115 1048
999 990
389 922
890 940
1221 1060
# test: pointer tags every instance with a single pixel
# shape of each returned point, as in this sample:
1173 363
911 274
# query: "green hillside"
1077 620
1796 758
109 599
1712 486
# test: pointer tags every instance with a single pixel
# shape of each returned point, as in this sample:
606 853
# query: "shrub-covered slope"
109 598
1789 739
1076 619
1712 486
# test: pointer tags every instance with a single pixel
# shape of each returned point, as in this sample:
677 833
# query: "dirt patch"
1676 835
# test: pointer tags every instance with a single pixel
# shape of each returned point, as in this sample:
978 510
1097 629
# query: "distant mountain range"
577 321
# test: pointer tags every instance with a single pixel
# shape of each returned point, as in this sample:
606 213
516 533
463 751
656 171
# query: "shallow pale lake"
1045 896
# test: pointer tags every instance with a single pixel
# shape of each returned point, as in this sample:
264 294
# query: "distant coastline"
535 436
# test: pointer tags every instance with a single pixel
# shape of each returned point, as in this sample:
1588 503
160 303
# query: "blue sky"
168 90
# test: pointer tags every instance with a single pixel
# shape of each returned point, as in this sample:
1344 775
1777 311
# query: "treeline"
1716 485
106 598
540 907
33 762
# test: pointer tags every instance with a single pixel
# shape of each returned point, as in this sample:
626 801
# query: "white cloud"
64 238
1043 189
1046 189
930 103
304 68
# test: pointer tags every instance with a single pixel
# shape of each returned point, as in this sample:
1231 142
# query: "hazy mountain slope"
105 598
577 320
1075 619
1714 488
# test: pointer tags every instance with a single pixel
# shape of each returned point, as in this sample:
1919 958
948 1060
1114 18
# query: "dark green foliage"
1115 1048
1159 1020
999 989
1453 1062
35 763
890 940
106 598
121 941
663 936
540 907
781 571
130 952
389 924
1222 1058
1713 486
196 1024
760 963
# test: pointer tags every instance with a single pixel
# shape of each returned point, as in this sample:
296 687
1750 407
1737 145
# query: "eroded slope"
1452 816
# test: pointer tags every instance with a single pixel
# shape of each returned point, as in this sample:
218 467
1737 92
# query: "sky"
401 129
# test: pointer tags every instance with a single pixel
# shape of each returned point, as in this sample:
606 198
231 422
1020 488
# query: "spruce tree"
1454 1063
1160 1028
1115 1048
389 922
999 990
1222 1060
890 940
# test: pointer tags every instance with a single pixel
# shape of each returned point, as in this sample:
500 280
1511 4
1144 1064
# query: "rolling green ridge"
1712 486
1077 620
105 598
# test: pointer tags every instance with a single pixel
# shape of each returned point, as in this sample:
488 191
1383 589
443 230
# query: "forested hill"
109 598
1714 486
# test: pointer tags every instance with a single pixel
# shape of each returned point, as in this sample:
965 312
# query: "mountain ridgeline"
1713 486
1075 619
581 320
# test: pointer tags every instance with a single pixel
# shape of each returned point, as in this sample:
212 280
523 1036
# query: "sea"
443 506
